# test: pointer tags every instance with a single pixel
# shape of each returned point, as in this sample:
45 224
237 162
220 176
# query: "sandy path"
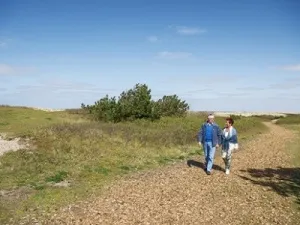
180 194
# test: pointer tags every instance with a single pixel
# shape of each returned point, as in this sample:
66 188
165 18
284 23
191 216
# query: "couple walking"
211 137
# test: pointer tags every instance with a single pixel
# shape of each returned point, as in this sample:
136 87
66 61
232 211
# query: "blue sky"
216 55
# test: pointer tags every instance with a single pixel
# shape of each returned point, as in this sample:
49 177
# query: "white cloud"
174 55
152 39
174 91
251 88
64 86
246 104
3 44
295 67
189 30
6 69
202 79
56 93
15 70
286 84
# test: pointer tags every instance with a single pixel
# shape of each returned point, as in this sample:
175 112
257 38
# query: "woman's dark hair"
230 120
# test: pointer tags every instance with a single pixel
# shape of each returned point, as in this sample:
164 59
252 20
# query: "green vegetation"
291 119
291 181
294 150
68 146
58 177
20 121
268 117
136 103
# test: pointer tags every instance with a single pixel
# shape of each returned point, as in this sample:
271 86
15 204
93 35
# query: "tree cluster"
136 103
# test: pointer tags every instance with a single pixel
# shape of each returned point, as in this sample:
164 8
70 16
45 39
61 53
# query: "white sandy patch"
10 145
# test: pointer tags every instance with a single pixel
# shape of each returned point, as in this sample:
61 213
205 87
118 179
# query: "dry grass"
21 121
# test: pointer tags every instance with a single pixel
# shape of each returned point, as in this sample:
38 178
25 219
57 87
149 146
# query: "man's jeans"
209 154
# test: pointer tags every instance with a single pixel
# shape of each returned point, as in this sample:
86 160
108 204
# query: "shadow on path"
284 181
191 163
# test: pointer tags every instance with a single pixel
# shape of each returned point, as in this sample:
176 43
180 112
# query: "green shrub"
235 117
171 106
58 177
136 103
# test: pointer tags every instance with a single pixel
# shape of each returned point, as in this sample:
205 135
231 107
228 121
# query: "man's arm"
200 134
219 135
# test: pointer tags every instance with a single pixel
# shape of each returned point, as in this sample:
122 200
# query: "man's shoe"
208 172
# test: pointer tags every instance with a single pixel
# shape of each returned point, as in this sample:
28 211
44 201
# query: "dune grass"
292 184
69 147
291 119
294 150
20 121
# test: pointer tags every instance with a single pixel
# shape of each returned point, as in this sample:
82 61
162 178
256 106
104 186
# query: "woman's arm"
220 135
234 139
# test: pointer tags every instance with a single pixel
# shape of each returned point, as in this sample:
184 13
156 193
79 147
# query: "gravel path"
179 194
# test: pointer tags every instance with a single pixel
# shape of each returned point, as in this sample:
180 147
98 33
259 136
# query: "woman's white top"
232 146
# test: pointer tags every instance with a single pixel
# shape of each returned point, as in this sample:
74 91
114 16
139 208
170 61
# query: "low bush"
136 103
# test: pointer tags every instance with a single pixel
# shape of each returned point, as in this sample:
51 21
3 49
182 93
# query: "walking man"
209 137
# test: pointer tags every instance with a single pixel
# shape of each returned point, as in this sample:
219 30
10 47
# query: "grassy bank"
291 184
292 119
294 181
21 121
68 147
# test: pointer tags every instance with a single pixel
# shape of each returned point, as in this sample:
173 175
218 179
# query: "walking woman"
229 143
